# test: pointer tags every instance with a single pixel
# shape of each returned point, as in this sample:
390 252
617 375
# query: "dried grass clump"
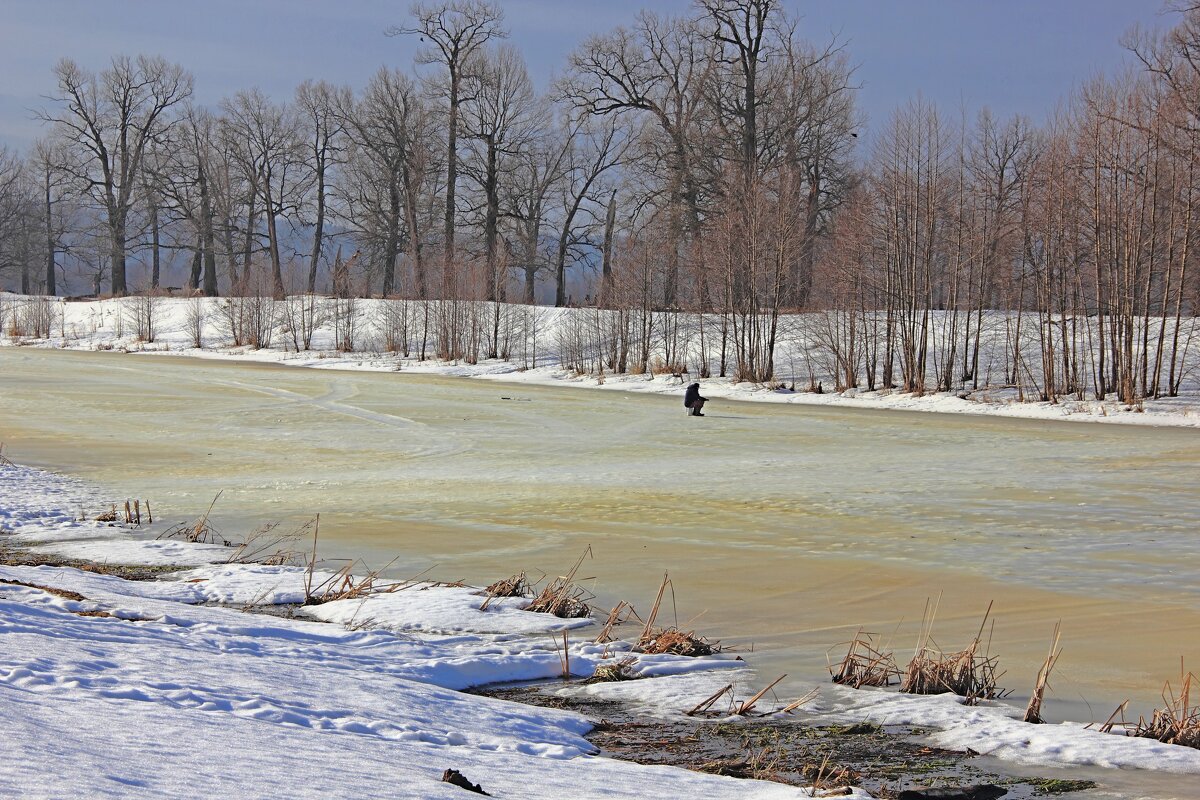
268 545
967 673
345 585
676 642
828 779
4 461
621 613
705 708
563 597
865 664
200 531
1178 722
655 641
618 671
518 585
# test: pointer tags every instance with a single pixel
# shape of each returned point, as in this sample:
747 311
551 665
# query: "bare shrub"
300 317
392 320
194 318
250 314
346 318
34 318
141 314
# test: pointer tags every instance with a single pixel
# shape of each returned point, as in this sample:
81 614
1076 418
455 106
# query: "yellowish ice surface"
784 528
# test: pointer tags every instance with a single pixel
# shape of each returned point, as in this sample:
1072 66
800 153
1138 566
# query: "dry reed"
518 585
564 656
745 708
1033 712
671 640
968 673
267 545
1178 721
865 664
563 597
621 613
346 585
705 707
621 670
201 531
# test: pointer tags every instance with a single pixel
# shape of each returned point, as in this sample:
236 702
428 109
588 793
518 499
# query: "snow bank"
106 325
997 730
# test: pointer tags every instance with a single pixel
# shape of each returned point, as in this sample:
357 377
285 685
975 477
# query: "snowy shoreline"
103 325
96 666
132 664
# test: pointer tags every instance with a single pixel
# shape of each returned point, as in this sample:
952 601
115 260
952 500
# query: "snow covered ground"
112 325
113 688
138 691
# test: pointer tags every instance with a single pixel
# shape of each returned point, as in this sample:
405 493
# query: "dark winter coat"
692 395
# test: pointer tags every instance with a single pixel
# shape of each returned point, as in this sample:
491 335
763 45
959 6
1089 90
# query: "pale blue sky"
1012 55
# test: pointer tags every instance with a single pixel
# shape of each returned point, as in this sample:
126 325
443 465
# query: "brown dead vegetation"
344 584
865 664
968 673
620 670
564 597
199 532
1178 721
708 706
270 546
66 594
671 640
1033 711
518 585
621 613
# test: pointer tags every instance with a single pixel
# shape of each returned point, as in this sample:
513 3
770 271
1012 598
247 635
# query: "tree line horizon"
702 163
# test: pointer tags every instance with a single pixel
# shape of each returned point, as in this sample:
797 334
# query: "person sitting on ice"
693 401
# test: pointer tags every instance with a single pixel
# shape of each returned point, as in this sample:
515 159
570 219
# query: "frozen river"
785 528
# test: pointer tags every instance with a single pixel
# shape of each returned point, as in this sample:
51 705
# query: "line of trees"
1083 231
703 163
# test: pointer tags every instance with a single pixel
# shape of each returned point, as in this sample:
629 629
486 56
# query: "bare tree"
111 119
538 171
47 165
389 131
317 105
267 133
595 149
661 69
500 120
454 32
13 208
